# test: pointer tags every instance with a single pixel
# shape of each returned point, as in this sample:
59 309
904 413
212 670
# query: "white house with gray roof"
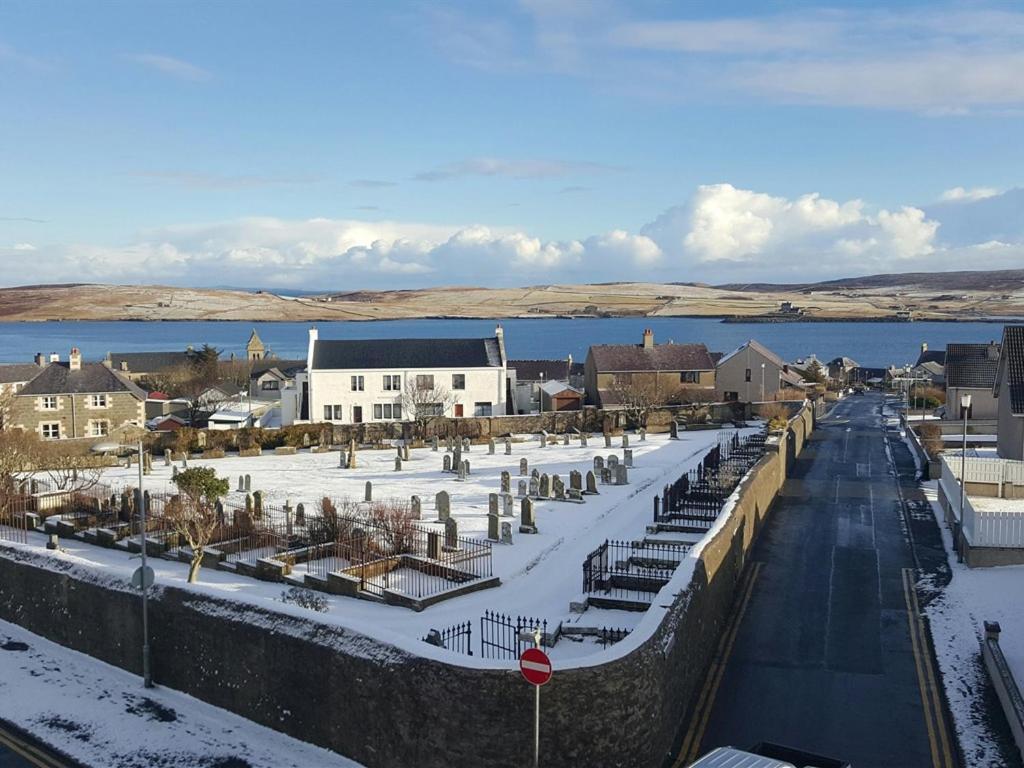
351 381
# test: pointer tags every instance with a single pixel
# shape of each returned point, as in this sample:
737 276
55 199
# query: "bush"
305 598
928 397
776 414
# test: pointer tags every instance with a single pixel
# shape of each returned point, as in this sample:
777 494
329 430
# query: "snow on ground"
540 574
100 715
975 595
992 504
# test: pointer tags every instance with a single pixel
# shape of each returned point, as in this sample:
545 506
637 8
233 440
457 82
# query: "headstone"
506 533
673 430
368 495
565 439
558 487
451 534
508 447
534 487
248 483
543 439
167 457
643 434
490 446
398 463
433 545
248 505
201 439
218 509
612 462
527 518
174 471
607 440
492 504
466 465
300 514
545 486
461 476
621 475
524 467
506 481
535 473
493 526
241 483
405 451
433 443
507 504
416 508
576 480
598 463
457 456
447 463
305 439
521 490
627 457
575 494
625 440
352 453
606 476
466 444
257 504
342 459
583 439
443 505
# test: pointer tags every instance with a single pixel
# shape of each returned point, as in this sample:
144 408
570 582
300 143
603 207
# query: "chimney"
499 332
54 357
993 351
75 360
924 347
648 338
40 359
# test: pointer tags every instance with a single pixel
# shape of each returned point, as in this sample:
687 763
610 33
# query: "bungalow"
1009 393
971 370
752 372
671 373
76 400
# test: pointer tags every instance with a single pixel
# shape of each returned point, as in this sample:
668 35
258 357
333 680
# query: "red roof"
158 396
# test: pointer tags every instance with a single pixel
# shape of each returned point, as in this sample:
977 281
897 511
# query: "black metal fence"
633 570
506 637
13 520
457 638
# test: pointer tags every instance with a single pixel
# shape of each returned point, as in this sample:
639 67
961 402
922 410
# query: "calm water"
870 344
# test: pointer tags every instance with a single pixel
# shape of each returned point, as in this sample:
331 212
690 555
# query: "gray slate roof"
10 374
757 347
624 358
971 365
367 354
552 370
287 367
92 378
932 356
1013 357
147 362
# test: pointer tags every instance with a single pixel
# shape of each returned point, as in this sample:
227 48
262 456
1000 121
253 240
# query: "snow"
992 504
540 574
956 616
100 715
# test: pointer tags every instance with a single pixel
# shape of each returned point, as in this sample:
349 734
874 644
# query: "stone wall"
384 706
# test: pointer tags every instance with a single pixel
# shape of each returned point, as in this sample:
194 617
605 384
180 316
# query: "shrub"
305 598
928 397
776 414
931 438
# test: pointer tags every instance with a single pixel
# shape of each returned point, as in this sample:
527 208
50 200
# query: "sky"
342 146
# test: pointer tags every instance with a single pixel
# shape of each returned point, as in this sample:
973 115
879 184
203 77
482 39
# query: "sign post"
535 667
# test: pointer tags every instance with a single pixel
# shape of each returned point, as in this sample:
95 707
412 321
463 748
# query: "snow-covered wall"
385 706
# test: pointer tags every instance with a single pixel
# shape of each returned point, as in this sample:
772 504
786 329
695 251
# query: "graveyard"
571 535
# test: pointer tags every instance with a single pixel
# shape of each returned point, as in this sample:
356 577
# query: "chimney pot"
648 338
75 359
54 357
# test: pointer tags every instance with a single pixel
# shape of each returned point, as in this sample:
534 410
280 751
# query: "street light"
965 406
110 447
762 382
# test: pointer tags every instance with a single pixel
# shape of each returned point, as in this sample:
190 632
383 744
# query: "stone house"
12 379
140 366
364 380
753 373
76 400
971 370
1009 393
672 373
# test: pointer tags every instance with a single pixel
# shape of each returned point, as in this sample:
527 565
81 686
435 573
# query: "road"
825 650
18 750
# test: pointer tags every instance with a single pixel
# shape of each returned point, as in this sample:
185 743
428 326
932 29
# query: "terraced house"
69 400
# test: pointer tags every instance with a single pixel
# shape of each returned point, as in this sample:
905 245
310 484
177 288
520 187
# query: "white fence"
989 527
995 471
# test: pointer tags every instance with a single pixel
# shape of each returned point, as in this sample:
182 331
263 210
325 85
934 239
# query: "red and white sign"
535 666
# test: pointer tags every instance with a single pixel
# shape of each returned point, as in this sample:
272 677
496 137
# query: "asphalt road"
824 652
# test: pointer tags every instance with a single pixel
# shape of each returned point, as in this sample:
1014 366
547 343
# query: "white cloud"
623 249
974 193
169 65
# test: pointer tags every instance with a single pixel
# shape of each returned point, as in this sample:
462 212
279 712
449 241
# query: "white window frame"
43 430
387 411
99 428
99 400
358 384
455 385
45 400
392 382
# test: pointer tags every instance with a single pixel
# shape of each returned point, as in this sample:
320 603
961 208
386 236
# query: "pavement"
826 650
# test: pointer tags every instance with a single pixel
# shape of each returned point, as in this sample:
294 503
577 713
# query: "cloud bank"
722 233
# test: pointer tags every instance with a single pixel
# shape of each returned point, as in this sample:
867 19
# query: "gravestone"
218 509
174 471
405 451
583 439
535 473
461 476
506 533
398 463
257 504
241 483
576 480
521 490
575 495
612 462
447 463
490 446
433 443
493 527
627 457
643 434
508 447
506 481
248 483
443 505
368 495
527 518
184 462
451 534
625 440
305 439
457 456
167 457
524 467
558 487
398 451
599 463
416 508
466 444
201 439
248 505
673 430
434 545
342 460
492 504
543 439
621 475
300 514
606 476
534 487
352 453
507 505
565 439
545 486
466 465
607 440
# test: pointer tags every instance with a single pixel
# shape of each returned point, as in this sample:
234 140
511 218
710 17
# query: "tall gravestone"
621 475
506 533
433 443
493 526
625 440
673 430
415 507
447 463
527 517
643 434
591 483
508 447
451 534
490 446
368 495
443 505
627 457
607 440
583 439
534 487
398 463
507 505
521 489
576 480
241 483
524 467
492 504
545 486
506 481
248 483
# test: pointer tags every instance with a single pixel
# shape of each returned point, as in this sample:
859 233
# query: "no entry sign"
535 666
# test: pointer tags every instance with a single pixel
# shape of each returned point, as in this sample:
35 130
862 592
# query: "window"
97 401
357 383
746 375
327 412
99 428
458 381
334 413
481 409
50 403
689 377
429 409
392 383
339 413
387 411
270 385
424 381
51 430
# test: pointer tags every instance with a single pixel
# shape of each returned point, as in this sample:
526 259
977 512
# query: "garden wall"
384 706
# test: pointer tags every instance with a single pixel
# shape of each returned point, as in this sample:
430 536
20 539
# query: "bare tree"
19 451
195 382
6 401
423 402
193 514
68 468
638 397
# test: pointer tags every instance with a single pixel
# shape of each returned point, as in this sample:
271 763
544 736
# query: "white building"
366 380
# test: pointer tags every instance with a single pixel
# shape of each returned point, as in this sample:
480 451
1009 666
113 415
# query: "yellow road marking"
935 723
27 751
698 723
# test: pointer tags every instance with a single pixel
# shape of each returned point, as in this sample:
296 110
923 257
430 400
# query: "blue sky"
350 145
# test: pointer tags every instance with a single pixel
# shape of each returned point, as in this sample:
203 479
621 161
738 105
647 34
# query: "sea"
870 344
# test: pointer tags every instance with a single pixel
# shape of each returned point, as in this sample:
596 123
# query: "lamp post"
965 406
762 382
110 447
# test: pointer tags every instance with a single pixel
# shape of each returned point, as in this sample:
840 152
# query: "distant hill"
1003 280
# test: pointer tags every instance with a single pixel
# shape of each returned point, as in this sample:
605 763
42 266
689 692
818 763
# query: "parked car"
766 755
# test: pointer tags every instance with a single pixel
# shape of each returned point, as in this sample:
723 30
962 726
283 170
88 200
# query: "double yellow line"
931 701
33 755
688 751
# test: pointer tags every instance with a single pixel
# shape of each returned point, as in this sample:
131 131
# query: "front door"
458 409
357 414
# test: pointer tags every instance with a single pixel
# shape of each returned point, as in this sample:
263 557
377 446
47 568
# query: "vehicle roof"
729 757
